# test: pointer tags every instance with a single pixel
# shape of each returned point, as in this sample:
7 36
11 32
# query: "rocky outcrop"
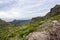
53 12
55 31
38 36
52 34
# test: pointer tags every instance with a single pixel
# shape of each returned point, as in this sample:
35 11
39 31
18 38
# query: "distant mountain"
20 22
15 22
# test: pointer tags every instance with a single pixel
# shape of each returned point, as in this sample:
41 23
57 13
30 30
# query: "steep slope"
49 31
53 12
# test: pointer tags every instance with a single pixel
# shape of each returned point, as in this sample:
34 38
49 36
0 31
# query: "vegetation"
55 17
11 32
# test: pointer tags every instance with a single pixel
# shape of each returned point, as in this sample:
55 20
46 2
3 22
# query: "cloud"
13 13
19 9
6 4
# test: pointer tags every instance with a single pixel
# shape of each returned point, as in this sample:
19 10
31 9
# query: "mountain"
20 22
36 19
53 12
49 29
3 23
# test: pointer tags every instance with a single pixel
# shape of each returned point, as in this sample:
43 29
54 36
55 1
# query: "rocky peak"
53 12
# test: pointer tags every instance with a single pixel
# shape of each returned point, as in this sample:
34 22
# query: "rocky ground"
52 34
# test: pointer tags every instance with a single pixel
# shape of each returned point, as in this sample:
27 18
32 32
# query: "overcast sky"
25 9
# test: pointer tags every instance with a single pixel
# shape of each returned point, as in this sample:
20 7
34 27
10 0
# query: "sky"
25 9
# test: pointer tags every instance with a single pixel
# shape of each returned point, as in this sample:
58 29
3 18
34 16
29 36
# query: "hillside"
40 28
50 29
4 23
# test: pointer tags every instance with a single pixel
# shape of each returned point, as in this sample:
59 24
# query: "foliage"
11 32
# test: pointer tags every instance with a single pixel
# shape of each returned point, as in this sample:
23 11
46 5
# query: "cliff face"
53 12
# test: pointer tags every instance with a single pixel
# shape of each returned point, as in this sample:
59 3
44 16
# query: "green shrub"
55 18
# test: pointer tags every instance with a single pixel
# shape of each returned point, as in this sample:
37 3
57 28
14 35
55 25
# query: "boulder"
38 36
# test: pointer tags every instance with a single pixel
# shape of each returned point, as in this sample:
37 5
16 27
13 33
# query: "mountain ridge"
53 12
